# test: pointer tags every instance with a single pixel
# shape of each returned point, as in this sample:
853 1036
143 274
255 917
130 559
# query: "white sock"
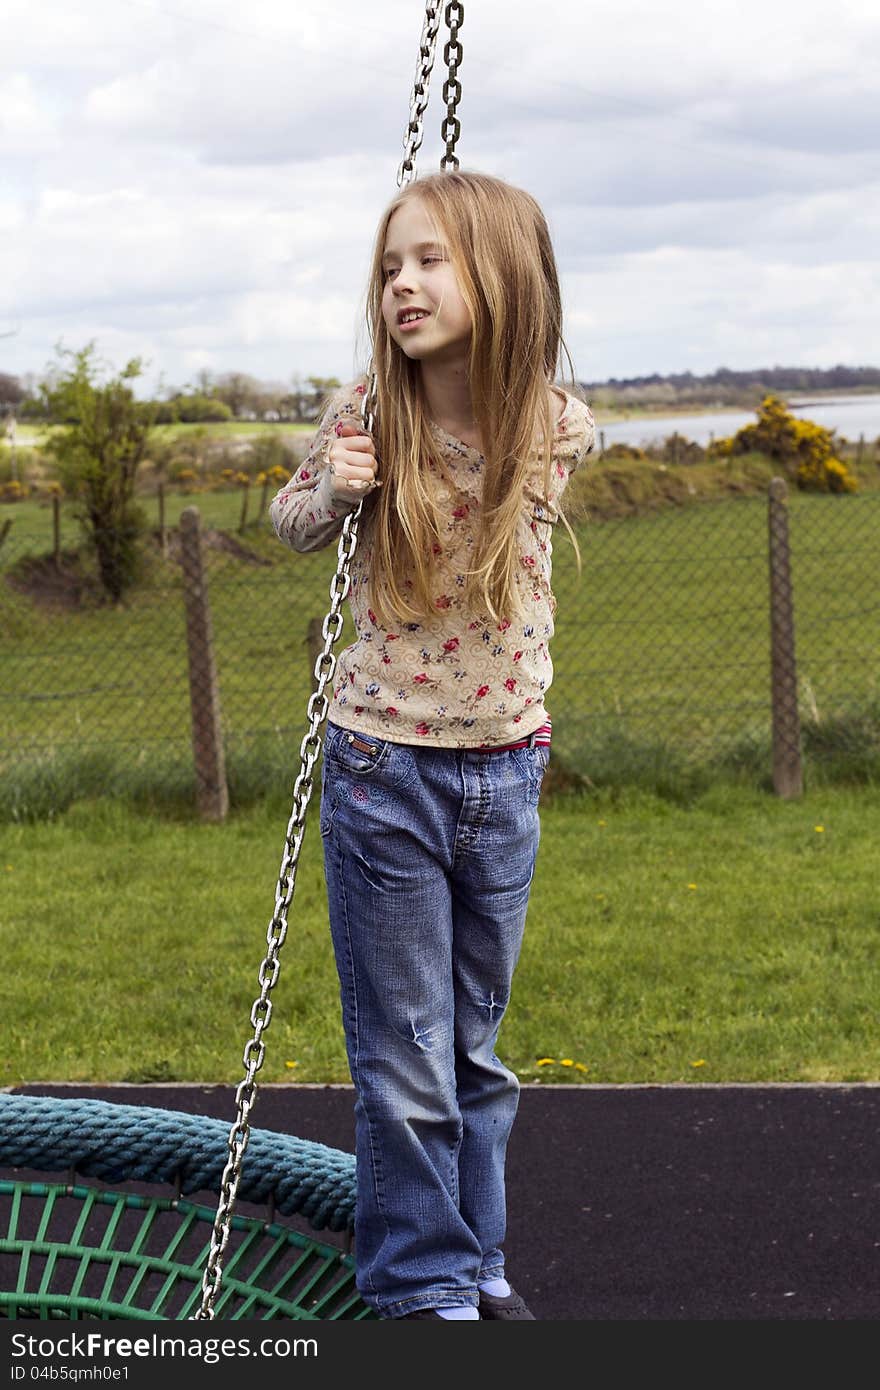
462 1312
497 1288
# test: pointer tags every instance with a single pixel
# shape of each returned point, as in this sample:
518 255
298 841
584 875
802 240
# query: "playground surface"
650 1203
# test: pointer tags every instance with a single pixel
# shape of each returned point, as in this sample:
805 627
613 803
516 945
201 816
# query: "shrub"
624 451
804 450
194 410
677 449
97 449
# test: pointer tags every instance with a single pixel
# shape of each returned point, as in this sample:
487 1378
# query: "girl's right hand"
351 461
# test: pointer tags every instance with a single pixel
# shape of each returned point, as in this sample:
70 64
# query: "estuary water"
848 416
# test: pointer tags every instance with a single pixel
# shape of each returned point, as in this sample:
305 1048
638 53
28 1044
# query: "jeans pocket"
365 757
533 763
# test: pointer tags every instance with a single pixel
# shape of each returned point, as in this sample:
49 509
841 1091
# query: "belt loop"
533 739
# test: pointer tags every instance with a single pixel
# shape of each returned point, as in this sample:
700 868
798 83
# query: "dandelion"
700 1062
819 829
291 1065
692 885
579 1066
546 1061
566 1061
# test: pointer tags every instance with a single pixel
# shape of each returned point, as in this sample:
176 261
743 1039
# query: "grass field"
732 940
685 925
662 663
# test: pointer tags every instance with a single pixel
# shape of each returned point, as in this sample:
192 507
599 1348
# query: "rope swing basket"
98 1248
72 1249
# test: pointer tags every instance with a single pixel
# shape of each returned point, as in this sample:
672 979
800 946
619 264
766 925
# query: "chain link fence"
664 668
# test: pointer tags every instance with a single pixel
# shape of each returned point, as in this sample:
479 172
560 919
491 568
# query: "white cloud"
199 184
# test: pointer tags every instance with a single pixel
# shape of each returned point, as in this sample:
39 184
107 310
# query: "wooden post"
242 521
264 497
601 443
163 534
204 691
314 641
787 774
56 530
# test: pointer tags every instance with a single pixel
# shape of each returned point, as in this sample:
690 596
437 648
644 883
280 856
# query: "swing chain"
261 1012
325 667
419 99
452 56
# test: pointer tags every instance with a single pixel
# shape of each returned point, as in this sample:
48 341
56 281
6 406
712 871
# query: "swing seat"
98 1249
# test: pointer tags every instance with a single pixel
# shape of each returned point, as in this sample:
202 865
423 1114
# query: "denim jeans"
429 856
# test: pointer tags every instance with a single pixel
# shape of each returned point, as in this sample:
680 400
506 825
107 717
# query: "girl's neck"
448 397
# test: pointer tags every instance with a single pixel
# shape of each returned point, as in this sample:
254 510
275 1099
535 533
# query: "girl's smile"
421 303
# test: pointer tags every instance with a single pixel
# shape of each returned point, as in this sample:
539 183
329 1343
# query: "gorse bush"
804 450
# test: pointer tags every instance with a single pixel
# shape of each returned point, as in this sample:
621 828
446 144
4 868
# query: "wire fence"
662 653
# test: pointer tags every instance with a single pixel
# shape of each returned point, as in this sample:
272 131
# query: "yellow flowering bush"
805 450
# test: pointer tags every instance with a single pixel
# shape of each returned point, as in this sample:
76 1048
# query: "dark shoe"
512 1308
424 1313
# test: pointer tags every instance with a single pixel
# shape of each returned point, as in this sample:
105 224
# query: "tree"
321 388
11 390
238 390
99 443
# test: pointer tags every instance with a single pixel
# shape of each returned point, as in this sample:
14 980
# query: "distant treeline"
727 387
238 396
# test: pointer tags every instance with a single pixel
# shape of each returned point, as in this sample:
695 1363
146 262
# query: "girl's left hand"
351 460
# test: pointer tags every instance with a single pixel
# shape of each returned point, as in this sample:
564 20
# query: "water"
849 416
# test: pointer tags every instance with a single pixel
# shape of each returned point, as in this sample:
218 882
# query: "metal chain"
310 748
412 140
452 56
261 1012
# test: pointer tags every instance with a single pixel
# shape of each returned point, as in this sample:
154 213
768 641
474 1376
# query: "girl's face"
421 302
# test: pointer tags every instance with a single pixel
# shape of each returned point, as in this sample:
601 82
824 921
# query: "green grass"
32 436
732 940
132 935
661 655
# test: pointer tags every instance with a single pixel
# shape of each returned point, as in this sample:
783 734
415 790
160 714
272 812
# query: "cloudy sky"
197 182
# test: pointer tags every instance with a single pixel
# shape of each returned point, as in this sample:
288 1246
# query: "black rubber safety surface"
655 1203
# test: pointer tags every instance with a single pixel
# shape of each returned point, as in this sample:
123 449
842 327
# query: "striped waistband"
539 737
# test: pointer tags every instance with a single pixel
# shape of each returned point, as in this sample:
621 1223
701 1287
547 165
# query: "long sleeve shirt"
458 678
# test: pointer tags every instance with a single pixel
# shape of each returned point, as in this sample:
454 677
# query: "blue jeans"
429 856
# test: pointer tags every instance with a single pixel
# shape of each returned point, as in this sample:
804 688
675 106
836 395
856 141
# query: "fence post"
56 530
163 534
314 641
787 775
204 691
264 497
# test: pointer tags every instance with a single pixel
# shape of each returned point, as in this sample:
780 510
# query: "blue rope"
132 1143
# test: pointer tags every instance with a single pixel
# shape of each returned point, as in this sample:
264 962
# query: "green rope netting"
81 1252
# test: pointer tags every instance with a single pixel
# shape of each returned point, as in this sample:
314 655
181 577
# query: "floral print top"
460 680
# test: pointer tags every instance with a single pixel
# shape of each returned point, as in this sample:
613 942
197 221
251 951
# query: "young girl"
438 735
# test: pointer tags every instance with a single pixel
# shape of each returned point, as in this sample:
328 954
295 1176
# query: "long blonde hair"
501 251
